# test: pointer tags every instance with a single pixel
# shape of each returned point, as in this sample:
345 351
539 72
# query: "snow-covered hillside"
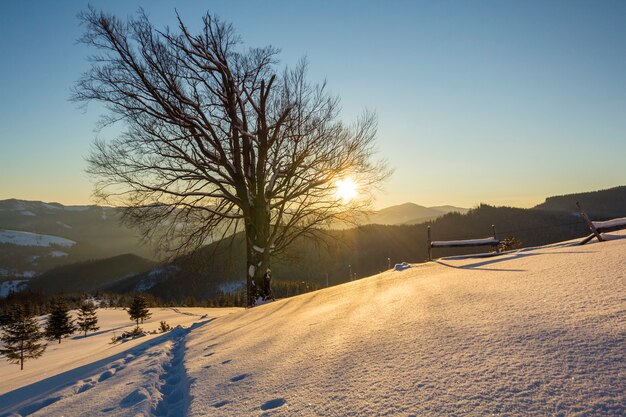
7 287
539 331
15 237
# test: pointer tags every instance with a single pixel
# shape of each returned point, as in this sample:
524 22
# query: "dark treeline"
600 205
90 275
35 302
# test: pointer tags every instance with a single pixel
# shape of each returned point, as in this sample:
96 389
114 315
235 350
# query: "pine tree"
60 323
138 309
20 339
87 319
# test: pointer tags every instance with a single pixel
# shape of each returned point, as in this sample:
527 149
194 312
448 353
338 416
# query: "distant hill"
90 275
410 213
37 236
599 205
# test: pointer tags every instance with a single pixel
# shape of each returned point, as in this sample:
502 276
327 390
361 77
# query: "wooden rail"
488 241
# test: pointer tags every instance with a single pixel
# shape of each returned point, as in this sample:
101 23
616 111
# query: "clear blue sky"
503 102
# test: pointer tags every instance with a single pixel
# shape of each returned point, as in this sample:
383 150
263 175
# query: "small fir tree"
21 338
60 323
87 318
164 327
138 309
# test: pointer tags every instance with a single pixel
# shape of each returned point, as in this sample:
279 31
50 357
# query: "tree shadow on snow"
497 258
82 335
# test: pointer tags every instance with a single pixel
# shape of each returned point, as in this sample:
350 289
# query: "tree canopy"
219 138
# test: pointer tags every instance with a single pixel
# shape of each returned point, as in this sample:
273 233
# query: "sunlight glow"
346 190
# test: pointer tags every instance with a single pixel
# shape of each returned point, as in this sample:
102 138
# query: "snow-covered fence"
600 227
487 241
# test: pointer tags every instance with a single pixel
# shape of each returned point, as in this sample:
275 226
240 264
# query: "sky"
499 102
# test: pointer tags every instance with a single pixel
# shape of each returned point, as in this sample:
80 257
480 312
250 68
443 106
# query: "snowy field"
57 383
539 332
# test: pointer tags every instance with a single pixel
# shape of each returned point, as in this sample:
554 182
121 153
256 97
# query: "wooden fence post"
495 236
589 223
430 249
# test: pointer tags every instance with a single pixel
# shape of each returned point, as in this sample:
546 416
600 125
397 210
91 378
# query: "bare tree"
218 138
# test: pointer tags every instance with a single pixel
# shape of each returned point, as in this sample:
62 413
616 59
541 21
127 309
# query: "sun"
346 190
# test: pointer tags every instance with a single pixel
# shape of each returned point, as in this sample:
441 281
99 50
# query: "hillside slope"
534 332
36 236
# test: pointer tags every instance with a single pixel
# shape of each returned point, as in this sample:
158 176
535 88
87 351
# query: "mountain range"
36 236
410 213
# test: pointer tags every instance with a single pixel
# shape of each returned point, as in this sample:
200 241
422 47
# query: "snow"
533 332
50 206
154 276
58 254
67 226
25 274
14 237
538 331
14 273
86 376
610 223
15 285
468 242
251 270
258 249
401 266
146 284
27 213
231 287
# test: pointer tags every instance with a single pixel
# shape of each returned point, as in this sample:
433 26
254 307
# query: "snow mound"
401 266
610 223
15 237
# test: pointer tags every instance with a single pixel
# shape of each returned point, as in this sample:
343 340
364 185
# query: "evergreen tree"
138 309
21 337
87 319
60 323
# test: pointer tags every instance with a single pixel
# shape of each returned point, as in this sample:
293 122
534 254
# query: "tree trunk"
258 282
258 286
